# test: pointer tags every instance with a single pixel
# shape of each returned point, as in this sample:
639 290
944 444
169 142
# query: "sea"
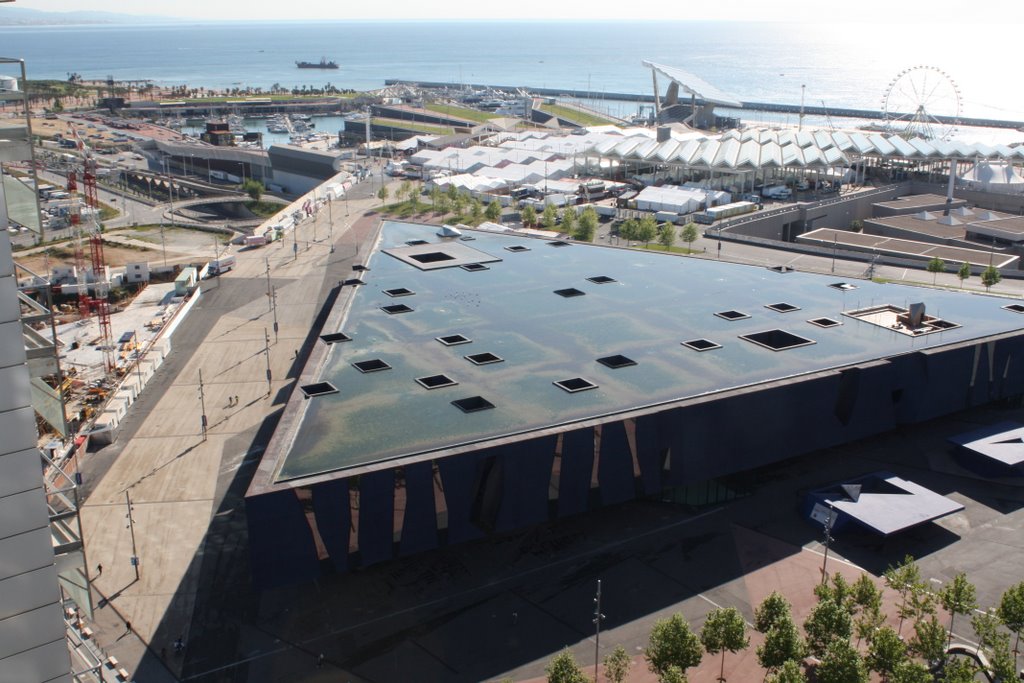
851 64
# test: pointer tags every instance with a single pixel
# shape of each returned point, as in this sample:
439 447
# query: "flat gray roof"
642 305
1003 442
918 201
898 247
888 504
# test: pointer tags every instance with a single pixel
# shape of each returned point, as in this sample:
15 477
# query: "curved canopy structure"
694 85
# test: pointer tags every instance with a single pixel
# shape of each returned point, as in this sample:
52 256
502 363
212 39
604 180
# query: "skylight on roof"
601 279
782 307
415 243
732 315
431 257
318 389
558 243
372 365
472 404
473 267
842 286
616 361
777 340
485 358
399 291
824 322
575 384
517 248
436 381
569 292
335 337
701 344
1016 308
453 339
396 308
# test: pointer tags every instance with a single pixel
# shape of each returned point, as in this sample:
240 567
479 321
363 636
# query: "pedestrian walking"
179 645
236 400
99 569
127 627
320 660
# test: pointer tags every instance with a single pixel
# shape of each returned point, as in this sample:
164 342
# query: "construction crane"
99 302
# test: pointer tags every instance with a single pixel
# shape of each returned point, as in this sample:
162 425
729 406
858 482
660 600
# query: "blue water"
847 66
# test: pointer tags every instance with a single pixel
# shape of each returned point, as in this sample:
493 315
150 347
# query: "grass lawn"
460 112
414 125
264 209
570 114
242 98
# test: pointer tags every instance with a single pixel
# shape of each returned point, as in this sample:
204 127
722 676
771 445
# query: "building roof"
1003 442
551 312
695 85
886 503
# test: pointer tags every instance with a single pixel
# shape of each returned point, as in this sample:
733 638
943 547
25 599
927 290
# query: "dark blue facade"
466 496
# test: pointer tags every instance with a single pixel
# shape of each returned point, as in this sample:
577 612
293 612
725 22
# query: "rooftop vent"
335 337
318 389
575 384
453 339
569 292
842 286
782 269
467 238
783 307
472 404
372 365
558 243
616 361
732 315
396 308
473 267
399 291
517 248
601 279
415 243
701 344
353 281
485 358
436 381
360 268
1016 308
431 257
824 322
777 340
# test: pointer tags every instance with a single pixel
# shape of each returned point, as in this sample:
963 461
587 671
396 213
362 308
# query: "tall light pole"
597 625
266 353
202 405
131 527
829 521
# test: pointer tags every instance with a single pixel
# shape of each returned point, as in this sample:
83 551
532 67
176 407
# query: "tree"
689 234
444 205
404 190
1011 611
667 235
865 595
724 630
990 277
826 622
493 212
1002 663
964 273
867 623
528 215
936 266
908 671
905 579
254 189
568 220
672 643
452 192
673 674
958 597
790 672
647 230
549 219
886 652
616 664
772 610
628 229
986 627
587 226
838 591
564 669
382 195
959 670
781 644
841 664
929 640
435 197
476 211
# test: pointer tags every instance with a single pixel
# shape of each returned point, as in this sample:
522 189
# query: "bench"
123 674
112 662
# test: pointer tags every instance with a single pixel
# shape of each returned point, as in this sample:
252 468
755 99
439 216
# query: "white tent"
994 176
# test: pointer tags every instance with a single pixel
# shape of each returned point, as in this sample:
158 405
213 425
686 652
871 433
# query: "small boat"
322 64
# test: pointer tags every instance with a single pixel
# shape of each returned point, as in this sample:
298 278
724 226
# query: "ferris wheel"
922 101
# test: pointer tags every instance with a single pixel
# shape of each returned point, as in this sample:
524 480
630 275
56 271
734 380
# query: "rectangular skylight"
701 344
777 340
436 381
616 361
396 308
472 404
575 384
601 279
372 365
485 358
431 257
453 339
474 267
318 389
732 315
824 322
782 307
842 286
399 291
335 337
517 248
569 292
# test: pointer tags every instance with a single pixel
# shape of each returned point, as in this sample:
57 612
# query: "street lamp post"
829 521
597 626
131 528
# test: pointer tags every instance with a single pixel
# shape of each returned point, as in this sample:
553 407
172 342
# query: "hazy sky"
1000 12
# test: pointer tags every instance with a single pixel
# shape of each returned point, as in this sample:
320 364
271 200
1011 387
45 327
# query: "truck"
255 240
221 265
776 192
716 213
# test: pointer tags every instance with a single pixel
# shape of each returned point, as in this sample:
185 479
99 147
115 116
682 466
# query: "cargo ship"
322 64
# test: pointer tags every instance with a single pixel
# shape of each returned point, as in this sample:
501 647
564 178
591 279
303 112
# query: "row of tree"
989 277
844 611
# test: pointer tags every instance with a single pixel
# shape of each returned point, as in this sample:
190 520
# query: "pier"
838 112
